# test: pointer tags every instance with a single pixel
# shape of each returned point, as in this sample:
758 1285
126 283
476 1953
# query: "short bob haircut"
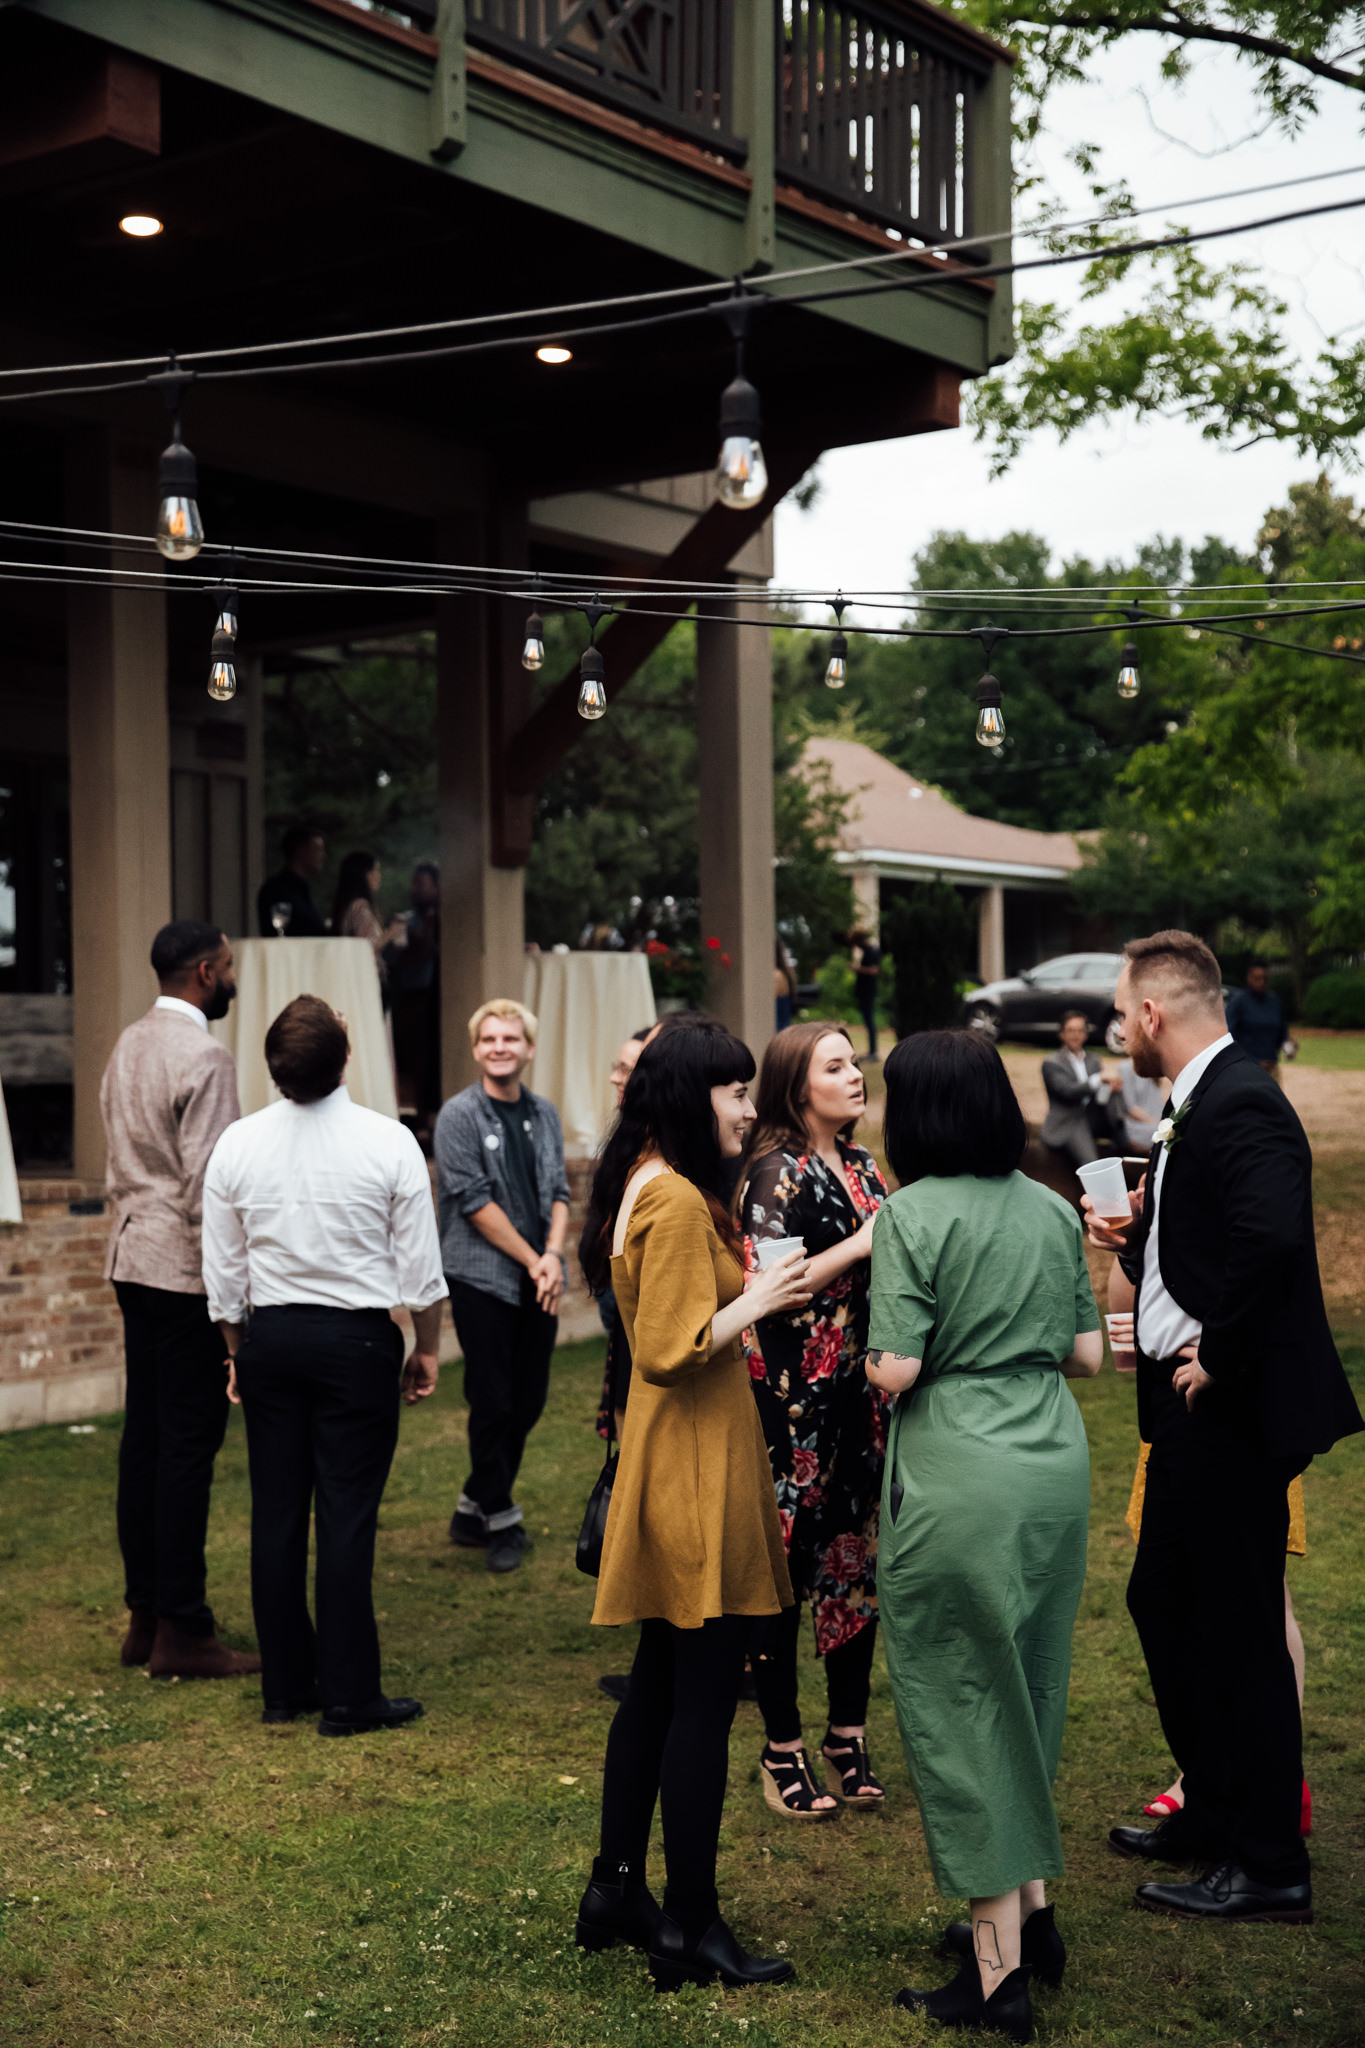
306 1050
509 1011
950 1109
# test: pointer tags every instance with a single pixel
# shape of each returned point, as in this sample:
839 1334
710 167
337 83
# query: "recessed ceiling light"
554 355
141 225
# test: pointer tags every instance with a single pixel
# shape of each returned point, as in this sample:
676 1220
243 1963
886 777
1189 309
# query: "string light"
179 528
742 474
836 672
533 647
222 684
990 719
592 686
1129 680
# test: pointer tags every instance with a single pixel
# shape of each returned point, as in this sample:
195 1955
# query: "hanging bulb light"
179 528
990 718
1129 681
592 684
836 671
222 684
742 474
533 652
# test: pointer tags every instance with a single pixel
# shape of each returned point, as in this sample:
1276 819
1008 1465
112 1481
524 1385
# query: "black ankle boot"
1040 1945
961 2004
615 1907
676 1958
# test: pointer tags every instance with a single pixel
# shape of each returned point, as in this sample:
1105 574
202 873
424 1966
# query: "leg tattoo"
988 1945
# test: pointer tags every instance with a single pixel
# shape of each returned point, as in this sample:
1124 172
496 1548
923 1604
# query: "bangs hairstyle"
950 1109
666 1108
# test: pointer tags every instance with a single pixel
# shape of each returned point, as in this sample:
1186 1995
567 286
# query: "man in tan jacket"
168 1093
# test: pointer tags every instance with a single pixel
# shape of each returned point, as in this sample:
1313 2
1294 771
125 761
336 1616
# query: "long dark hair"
666 1109
353 880
950 1108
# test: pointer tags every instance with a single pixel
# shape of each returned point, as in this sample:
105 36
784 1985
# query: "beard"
1142 1051
219 1003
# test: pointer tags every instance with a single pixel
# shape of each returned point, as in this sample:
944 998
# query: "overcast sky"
1112 487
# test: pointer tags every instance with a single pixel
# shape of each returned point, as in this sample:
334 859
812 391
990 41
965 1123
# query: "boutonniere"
1168 1132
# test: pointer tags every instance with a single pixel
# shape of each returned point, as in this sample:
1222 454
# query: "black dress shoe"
1040 1945
380 1713
961 2004
1227 1893
288 1710
468 1532
1167 1843
506 1548
675 1961
616 1912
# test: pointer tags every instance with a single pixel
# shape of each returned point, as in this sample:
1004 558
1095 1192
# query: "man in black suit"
304 853
1239 1387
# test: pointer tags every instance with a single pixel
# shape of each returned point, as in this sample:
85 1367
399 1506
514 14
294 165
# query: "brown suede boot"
176 1655
137 1644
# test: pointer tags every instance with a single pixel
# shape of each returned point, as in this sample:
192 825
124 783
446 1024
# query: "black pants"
1207 1595
175 1415
506 1378
865 995
848 1678
670 1744
319 1390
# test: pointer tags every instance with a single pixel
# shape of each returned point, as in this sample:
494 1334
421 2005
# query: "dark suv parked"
1031 1005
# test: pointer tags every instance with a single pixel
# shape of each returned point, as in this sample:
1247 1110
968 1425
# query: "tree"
1207 343
927 931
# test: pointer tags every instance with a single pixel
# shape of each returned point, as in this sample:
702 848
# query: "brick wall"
61 1337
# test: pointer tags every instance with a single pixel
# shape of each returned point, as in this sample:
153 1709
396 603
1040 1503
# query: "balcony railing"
874 100
875 112
667 62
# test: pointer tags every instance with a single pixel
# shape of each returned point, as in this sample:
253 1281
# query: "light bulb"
179 529
222 682
990 725
226 622
1129 685
533 653
592 688
742 478
836 674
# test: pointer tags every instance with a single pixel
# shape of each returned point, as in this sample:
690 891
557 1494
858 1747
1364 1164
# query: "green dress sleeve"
1087 1314
904 1308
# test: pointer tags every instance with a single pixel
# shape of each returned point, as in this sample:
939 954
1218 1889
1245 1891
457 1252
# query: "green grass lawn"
176 1874
1340 1051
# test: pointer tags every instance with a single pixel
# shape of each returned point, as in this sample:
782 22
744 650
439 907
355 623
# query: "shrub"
927 930
1336 1002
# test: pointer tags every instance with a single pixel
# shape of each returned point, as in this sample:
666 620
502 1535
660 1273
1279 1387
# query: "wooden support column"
120 775
990 934
482 915
735 773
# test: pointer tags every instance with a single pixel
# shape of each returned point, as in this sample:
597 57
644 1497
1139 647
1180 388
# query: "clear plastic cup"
770 1249
1104 1182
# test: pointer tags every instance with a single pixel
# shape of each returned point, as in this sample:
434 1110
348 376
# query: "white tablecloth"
270 973
588 1004
10 1210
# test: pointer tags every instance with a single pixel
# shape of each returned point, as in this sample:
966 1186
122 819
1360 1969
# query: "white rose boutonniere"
1168 1132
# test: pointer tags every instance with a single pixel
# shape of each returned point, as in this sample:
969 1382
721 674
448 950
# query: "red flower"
725 959
757 1369
835 1625
846 1560
787 1520
714 944
823 1349
805 1467
657 950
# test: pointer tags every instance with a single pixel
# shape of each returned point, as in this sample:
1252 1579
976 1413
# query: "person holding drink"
810 1187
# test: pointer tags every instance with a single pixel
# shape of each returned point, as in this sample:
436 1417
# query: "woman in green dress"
981 1305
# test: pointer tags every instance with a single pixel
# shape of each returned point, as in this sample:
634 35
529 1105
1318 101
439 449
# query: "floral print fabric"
825 1427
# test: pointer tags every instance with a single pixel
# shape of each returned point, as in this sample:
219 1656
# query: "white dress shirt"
1163 1326
1096 1083
190 1010
323 1203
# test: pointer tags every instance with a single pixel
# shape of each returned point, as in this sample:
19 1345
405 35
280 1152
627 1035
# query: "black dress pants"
507 1349
320 1392
175 1416
848 1678
1207 1595
670 1745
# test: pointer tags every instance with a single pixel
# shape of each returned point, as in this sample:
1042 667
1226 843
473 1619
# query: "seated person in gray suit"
1077 1094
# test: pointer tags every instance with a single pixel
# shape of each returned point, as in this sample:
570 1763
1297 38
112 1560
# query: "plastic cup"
771 1249
1107 1187
1120 1328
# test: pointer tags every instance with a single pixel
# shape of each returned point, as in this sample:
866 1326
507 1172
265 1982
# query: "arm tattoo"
875 1357
988 1945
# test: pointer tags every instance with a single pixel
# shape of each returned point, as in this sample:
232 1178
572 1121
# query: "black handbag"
588 1556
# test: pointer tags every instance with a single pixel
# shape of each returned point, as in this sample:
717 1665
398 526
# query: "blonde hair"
502 1006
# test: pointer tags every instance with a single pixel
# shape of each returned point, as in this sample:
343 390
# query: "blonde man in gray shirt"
168 1094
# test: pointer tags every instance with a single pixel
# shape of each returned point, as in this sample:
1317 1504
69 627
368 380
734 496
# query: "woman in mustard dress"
693 1546
981 1309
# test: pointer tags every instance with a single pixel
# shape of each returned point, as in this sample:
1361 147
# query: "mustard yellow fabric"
1297 1544
693 1529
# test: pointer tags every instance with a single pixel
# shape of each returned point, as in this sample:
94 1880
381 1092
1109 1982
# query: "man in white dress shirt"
318 1219
1077 1089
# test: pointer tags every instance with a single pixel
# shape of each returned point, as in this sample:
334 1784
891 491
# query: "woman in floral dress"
825 1426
